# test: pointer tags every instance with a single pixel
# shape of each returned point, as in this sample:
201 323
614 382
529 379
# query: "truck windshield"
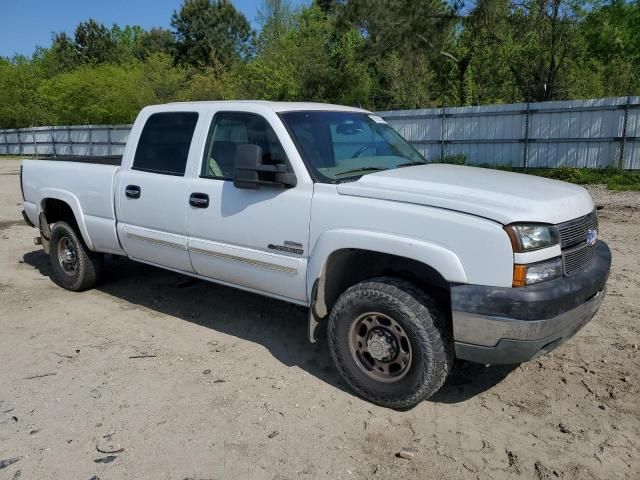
341 145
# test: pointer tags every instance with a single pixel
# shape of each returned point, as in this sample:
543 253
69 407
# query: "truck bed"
86 184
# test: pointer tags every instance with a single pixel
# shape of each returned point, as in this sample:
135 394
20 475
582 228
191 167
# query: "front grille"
574 232
576 251
575 259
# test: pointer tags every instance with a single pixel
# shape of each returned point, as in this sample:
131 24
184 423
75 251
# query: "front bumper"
496 325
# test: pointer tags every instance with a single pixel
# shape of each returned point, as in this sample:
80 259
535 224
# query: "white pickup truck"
410 264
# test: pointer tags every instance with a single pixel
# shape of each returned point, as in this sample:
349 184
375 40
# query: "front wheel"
75 267
390 342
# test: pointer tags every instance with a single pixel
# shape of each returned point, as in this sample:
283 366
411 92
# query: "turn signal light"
536 272
519 275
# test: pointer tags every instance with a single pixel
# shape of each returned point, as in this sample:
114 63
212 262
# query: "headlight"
537 272
525 238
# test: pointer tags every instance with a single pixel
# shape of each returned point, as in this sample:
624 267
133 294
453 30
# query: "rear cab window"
164 143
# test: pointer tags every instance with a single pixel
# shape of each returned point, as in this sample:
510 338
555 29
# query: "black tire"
425 326
87 265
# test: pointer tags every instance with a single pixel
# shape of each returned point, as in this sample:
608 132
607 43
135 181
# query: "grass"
613 178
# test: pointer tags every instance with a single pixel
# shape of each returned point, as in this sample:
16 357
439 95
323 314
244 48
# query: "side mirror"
249 171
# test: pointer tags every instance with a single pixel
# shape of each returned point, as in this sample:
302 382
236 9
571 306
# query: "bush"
566 174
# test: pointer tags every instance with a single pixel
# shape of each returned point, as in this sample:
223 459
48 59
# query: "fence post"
53 141
70 141
442 133
19 143
525 156
90 127
624 134
35 143
109 127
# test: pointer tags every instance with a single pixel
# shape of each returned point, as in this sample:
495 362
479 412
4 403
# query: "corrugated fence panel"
101 140
576 133
632 147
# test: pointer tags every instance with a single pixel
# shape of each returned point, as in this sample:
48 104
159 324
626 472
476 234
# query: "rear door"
256 239
151 195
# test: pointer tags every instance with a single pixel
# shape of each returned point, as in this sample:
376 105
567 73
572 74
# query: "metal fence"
84 140
593 133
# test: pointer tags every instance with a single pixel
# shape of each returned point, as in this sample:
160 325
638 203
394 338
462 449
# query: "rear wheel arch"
54 209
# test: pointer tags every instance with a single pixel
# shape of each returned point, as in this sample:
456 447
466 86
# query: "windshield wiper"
410 164
361 169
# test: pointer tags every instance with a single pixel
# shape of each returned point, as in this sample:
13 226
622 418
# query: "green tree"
95 43
156 40
62 56
276 19
536 40
406 26
612 35
20 104
403 41
211 33
164 80
125 40
326 6
313 62
103 94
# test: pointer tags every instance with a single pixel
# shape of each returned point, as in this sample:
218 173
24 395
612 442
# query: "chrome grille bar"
574 232
576 251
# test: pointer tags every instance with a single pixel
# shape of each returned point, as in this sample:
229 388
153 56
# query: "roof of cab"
276 106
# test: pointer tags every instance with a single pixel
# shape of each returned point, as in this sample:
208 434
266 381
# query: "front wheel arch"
346 267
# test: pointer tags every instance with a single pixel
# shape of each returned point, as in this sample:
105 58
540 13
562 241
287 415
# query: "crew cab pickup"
406 264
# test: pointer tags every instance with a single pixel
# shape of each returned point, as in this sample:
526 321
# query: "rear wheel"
75 267
390 342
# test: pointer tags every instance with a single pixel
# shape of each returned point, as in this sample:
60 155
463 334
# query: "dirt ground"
154 375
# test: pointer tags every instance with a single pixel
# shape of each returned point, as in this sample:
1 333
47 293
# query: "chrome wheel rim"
380 347
67 256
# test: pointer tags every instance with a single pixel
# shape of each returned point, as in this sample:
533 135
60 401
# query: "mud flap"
45 232
314 326
315 321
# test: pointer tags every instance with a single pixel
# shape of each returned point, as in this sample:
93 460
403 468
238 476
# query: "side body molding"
71 200
437 257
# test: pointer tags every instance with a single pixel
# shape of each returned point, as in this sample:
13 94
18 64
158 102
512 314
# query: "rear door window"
164 143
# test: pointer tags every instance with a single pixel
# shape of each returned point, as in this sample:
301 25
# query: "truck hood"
505 197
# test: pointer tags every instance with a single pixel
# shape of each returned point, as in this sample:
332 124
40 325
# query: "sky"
29 23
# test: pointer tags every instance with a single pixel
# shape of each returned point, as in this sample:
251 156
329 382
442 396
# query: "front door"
152 196
256 239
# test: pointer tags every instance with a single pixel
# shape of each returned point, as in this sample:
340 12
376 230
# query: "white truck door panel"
151 197
248 237
153 227
254 238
